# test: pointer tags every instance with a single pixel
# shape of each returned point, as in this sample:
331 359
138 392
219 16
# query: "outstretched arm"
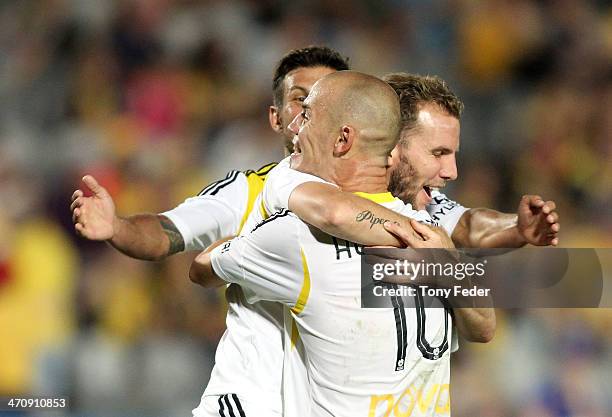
143 236
536 222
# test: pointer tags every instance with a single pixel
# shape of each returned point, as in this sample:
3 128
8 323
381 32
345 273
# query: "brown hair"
416 90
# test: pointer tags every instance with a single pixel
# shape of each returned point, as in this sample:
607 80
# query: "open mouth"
427 190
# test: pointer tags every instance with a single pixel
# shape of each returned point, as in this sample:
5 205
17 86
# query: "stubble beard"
401 183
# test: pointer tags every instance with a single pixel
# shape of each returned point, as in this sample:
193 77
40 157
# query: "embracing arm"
486 228
201 271
345 215
536 222
268 262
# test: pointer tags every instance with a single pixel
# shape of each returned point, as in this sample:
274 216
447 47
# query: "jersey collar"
379 198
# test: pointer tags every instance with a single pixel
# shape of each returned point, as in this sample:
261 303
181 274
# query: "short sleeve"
215 213
281 182
445 211
267 261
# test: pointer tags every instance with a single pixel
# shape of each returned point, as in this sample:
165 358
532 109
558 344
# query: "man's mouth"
424 196
430 189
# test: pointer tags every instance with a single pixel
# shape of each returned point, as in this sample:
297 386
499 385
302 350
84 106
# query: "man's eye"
301 98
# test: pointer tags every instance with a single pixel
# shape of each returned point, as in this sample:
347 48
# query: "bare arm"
143 236
486 228
476 324
151 237
201 271
346 215
536 222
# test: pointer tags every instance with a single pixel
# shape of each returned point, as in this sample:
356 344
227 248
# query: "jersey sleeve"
267 261
281 182
215 213
445 211
422 216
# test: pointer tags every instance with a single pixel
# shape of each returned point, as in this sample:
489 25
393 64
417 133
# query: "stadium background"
159 97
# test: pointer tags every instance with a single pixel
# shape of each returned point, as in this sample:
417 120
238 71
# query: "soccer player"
424 161
360 362
475 324
241 381
220 211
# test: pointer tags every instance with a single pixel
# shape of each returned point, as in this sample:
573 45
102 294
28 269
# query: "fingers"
79 223
76 213
548 207
79 229
552 218
93 185
533 200
408 237
396 230
76 194
422 229
76 203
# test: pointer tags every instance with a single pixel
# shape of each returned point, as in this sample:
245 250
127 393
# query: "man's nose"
449 168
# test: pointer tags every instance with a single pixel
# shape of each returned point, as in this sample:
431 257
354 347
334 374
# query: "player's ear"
274 117
344 141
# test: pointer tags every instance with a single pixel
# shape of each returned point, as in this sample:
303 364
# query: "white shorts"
230 405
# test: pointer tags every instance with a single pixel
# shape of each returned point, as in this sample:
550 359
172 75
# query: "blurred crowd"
156 98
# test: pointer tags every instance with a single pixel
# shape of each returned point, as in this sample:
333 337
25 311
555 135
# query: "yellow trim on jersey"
266 168
305 291
255 183
377 198
263 211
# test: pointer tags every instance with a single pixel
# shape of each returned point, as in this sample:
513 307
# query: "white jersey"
445 211
247 374
360 362
275 197
219 211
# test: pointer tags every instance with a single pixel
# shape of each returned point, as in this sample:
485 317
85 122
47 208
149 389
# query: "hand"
538 222
93 217
425 237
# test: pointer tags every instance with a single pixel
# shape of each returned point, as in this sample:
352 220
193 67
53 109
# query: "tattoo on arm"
368 216
177 244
